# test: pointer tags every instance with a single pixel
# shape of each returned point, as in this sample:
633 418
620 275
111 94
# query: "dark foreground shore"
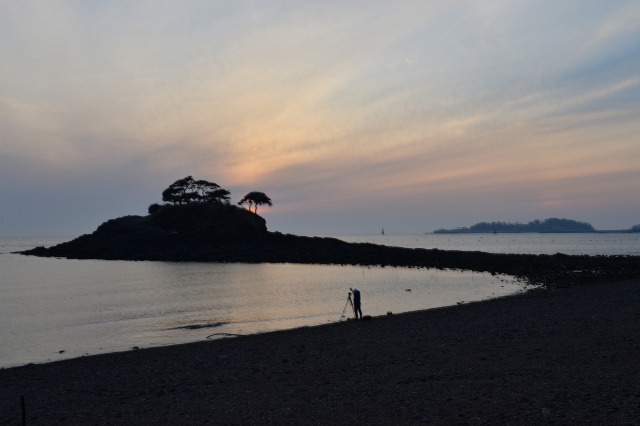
563 356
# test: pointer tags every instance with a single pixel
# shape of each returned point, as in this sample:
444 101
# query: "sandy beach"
562 356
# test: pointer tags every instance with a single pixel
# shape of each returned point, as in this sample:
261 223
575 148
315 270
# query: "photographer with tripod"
355 304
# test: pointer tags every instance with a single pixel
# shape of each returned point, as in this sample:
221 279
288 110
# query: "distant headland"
197 223
551 225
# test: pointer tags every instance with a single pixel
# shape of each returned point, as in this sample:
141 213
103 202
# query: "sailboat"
382 231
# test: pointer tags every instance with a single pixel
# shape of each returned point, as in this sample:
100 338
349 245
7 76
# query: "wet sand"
558 356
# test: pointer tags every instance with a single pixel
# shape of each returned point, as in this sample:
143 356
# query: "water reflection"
91 306
257 297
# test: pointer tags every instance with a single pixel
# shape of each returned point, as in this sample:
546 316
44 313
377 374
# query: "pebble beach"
554 356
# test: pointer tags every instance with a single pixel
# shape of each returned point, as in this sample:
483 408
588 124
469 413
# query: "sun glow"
522 107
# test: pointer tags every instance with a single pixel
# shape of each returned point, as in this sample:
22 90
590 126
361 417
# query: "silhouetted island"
218 232
551 225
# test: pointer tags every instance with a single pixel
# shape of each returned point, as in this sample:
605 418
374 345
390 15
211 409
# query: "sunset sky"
350 115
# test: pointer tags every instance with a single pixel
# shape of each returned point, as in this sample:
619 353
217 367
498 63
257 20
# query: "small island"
551 225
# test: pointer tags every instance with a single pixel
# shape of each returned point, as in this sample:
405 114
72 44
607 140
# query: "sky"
351 115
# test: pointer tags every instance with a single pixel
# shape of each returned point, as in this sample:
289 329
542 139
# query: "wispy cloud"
328 103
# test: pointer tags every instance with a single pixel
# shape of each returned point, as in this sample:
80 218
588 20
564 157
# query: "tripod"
349 303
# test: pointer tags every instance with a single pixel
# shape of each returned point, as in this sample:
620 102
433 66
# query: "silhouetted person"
356 302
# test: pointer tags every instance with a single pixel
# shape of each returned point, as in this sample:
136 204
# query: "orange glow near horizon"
336 109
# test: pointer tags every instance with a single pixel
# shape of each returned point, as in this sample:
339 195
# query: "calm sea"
53 309
574 244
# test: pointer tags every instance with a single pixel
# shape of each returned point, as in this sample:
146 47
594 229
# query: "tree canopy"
255 198
187 190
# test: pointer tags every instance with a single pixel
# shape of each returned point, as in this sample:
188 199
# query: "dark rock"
225 233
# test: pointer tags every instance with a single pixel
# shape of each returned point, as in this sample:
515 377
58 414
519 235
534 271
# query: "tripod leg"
344 310
345 307
349 302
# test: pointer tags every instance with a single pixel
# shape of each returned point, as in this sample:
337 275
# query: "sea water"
573 244
53 309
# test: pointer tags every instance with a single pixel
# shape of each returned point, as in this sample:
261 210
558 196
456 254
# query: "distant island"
551 225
